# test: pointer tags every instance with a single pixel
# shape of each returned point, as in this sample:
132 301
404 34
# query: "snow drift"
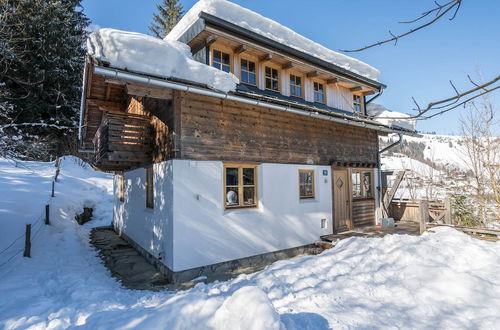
268 28
384 116
152 56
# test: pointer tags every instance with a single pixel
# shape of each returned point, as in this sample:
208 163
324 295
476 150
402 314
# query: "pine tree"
41 63
169 13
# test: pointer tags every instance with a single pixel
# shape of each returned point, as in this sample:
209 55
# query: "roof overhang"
255 37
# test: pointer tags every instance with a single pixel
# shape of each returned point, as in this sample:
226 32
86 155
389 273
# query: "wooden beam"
266 58
287 65
312 74
108 91
368 92
240 49
206 43
332 81
114 81
106 105
356 89
156 92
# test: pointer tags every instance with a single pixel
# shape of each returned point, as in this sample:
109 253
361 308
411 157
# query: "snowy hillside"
443 279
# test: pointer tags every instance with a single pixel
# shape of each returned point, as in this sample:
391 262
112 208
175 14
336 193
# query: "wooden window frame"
301 96
150 191
314 92
278 79
242 58
313 184
240 186
212 59
360 103
121 187
361 173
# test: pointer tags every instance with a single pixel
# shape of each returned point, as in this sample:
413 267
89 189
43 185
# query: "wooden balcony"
122 142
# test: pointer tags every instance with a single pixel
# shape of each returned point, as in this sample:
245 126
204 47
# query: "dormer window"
356 103
248 72
319 93
221 60
295 86
272 79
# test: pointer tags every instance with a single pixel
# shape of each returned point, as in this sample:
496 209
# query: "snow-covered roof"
152 56
383 116
266 27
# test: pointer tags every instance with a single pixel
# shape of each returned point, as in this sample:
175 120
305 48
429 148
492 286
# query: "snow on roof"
266 27
380 113
148 55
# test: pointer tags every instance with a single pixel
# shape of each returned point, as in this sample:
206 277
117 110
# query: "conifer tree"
41 64
169 13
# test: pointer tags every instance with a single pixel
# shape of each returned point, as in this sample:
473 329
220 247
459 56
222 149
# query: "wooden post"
424 214
27 242
447 215
57 174
47 214
53 183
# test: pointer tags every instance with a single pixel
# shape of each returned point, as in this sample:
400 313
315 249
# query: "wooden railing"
122 142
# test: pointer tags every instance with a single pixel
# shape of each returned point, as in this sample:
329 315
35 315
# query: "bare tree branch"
441 10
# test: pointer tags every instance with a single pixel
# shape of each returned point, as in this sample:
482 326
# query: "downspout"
379 173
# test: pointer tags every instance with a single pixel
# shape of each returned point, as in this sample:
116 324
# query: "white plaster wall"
150 228
204 233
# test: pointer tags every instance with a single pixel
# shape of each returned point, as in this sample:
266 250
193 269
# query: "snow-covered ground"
442 279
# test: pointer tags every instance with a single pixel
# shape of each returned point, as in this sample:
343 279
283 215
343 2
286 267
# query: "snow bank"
266 27
442 279
383 116
163 58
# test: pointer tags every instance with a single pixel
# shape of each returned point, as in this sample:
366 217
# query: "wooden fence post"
447 215
424 214
47 214
27 242
53 193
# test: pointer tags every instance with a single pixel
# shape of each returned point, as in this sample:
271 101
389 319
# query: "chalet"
233 140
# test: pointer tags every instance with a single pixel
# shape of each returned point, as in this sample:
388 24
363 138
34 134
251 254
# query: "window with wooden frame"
295 86
221 60
357 103
248 72
121 187
319 92
362 185
306 184
272 79
149 187
240 186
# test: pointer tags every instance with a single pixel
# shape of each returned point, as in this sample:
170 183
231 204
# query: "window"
220 60
306 184
149 188
121 187
362 184
319 92
240 186
272 79
356 103
295 86
248 72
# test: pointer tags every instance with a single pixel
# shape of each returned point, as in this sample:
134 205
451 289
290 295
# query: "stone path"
125 263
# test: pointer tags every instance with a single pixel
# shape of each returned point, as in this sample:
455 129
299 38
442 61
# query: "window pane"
252 79
298 81
275 85
275 74
299 91
248 176
268 83
216 65
217 56
226 68
268 71
367 182
225 58
232 196
231 176
248 196
251 66
244 65
244 76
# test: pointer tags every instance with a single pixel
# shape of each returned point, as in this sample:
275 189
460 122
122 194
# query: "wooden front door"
341 201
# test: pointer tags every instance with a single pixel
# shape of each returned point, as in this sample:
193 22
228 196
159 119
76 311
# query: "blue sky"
420 65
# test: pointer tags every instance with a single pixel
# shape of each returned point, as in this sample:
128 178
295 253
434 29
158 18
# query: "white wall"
204 233
150 228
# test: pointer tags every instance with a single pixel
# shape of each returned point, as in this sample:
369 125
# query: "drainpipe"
379 172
